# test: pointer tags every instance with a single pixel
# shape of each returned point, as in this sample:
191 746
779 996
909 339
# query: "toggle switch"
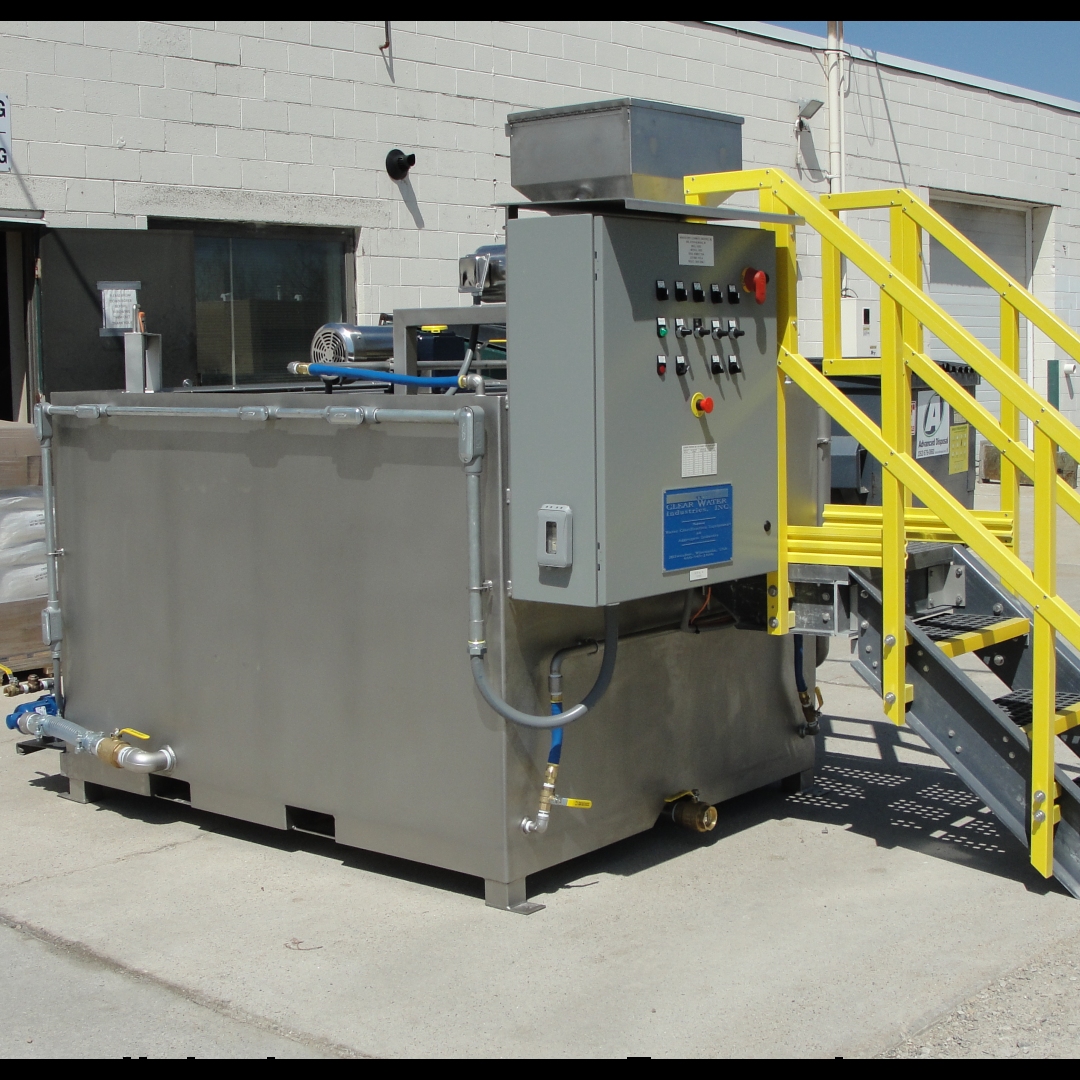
700 330
682 329
733 365
716 365
661 365
715 330
661 328
754 281
733 329
661 289
699 292
681 365
680 290
732 294
700 405
716 294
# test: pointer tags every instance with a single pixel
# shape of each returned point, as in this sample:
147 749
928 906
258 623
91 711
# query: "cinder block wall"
291 122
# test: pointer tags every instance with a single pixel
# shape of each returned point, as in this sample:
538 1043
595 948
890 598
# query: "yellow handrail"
881 537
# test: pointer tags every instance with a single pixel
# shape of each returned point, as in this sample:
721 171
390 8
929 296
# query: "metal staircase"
986 741
925 586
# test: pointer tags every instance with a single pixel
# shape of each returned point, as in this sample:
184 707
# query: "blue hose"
339 372
555 754
800 676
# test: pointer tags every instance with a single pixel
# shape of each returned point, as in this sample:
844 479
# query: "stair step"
1018 706
956 633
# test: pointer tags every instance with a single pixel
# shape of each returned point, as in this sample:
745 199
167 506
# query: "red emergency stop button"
754 281
700 405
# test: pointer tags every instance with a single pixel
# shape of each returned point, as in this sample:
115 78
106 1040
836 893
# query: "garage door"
1001 234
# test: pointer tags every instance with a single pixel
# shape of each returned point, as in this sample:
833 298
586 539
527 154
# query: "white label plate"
695 249
699 459
699 575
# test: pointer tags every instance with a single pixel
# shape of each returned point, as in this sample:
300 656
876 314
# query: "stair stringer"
969 732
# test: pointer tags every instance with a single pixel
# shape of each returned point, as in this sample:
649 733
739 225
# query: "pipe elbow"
536 826
135 759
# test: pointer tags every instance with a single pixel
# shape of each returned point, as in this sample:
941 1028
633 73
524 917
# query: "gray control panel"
642 395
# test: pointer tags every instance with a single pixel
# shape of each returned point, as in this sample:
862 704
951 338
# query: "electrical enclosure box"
860 326
613 327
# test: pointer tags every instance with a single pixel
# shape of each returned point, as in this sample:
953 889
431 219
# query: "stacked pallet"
22 549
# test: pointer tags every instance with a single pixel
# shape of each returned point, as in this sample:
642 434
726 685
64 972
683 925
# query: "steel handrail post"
780 618
896 431
1010 416
1044 662
905 242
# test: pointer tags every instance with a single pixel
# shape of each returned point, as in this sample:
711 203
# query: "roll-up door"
1002 234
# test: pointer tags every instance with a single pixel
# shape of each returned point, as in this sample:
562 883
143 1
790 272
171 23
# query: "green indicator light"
662 331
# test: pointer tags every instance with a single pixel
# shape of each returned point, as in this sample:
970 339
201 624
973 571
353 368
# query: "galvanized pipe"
109 748
52 630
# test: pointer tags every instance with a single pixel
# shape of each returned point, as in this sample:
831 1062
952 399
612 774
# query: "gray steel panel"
284 603
551 377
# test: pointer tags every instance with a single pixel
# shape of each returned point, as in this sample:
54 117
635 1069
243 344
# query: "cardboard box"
20 455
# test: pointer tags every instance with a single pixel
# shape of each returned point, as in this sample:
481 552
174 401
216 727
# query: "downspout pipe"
833 61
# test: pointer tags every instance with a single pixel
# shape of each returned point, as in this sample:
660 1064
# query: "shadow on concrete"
869 779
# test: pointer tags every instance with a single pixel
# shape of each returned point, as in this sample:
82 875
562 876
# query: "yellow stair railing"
879 537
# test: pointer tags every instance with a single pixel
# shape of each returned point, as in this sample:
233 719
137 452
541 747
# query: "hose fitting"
688 811
539 824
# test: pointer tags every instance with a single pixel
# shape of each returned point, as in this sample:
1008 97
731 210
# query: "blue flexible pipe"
555 754
339 372
800 676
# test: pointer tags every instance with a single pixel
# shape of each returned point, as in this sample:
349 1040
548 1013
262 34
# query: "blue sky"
1036 55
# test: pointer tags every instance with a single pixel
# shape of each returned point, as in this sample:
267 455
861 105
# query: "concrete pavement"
840 921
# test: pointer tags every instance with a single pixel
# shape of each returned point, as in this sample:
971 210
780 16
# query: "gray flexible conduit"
603 680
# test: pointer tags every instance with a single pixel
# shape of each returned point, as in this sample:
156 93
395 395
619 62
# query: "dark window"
233 303
259 301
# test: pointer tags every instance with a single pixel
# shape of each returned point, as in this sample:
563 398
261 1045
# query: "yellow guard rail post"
905 310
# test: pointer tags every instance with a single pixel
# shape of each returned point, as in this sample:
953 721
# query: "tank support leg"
510 896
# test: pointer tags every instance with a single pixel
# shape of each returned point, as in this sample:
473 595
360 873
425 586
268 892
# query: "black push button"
680 365
733 365
716 365
680 290
716 294
733 294
699 293
661 289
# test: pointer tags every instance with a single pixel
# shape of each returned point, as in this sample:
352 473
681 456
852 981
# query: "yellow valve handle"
681 795
132 731
579 804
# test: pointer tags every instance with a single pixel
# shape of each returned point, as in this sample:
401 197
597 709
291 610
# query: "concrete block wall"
291 122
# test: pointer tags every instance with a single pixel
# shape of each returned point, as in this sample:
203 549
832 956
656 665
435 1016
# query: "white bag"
21 527
25 498
24 583
22 554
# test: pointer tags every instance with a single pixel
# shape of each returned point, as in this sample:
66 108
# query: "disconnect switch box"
555 535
